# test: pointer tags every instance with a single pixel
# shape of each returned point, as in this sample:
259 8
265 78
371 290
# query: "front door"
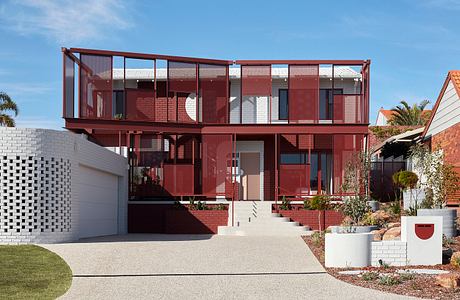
250 175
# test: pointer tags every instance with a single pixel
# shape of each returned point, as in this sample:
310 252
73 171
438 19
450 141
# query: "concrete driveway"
201 267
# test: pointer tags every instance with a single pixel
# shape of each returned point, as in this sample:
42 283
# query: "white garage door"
98 199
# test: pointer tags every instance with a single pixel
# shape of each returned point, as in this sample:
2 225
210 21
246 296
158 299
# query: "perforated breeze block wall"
39 184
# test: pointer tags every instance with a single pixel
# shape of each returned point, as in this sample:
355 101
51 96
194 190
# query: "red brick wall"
310 217
163 218
449 141
195 221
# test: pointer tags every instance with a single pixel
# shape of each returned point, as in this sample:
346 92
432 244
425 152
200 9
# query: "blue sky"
412 44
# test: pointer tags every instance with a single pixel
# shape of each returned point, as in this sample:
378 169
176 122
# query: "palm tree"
406 115
7 105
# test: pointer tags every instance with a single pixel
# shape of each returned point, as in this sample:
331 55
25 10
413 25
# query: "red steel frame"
199 128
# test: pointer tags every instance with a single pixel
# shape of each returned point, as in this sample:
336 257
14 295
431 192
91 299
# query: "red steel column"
276 171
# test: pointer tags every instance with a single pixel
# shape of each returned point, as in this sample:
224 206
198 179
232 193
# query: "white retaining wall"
46 180
393 253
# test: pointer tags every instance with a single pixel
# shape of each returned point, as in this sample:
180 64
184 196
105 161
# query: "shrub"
406 276
306 204
320 202
389 280
369 220
316 238
395 208
285 204
370 276
405 179
219 206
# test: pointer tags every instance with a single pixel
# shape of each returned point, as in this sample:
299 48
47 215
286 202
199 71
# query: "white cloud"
66 21
27 89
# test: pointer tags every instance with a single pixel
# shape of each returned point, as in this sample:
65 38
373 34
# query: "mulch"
422 286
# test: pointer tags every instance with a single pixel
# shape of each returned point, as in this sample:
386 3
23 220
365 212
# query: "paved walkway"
201 267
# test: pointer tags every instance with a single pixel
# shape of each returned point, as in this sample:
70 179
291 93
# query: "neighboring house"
258 130
443 128
384 116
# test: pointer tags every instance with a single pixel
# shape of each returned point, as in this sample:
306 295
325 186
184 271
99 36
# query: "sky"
412 43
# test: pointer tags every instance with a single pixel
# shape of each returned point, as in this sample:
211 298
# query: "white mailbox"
423 236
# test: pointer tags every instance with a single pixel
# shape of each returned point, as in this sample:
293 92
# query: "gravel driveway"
201 267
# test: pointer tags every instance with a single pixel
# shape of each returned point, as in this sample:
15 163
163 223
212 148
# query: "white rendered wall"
42 199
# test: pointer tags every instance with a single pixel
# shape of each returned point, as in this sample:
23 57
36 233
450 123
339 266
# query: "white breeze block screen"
423 236
42 199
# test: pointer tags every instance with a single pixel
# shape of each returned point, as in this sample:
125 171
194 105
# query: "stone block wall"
393 253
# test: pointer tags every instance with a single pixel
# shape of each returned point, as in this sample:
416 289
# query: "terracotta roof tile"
455 77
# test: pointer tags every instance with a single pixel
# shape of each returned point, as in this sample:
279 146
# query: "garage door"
98 199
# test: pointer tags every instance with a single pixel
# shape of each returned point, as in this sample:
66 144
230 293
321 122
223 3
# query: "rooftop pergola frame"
90 96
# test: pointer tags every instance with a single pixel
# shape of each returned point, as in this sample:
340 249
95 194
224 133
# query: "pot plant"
438 181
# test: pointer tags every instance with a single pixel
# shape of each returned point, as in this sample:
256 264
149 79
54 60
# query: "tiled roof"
388 112
455 77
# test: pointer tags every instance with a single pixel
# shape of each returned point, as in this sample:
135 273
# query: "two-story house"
219 130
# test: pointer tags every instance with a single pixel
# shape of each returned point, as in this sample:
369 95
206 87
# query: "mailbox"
423 235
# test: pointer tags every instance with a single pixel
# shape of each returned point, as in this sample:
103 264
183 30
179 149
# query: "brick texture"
449 141
310 217
163 218
393 253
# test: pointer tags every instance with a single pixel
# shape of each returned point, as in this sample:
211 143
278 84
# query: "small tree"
438 178
320 203
356 183
405 180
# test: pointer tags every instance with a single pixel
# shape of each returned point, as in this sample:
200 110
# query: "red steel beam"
285 129
301 62
151 56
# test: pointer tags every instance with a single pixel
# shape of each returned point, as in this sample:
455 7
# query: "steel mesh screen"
303 93
213 93
96 86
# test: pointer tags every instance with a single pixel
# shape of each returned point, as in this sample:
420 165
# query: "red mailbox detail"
424 231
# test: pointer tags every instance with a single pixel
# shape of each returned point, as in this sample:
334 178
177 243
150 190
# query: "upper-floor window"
326 103
283 104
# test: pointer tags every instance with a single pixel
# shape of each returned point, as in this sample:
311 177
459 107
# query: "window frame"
287 104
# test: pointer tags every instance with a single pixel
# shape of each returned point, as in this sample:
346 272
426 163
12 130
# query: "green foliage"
370 276
389 279
441 179
219 206
412 211
405 115
395 208
8 110
405 179
356 183
118 116
384 132
320 202
317 238
306 204
406 276
447 242
285 204
369 220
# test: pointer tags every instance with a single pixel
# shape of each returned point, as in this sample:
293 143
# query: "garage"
98 202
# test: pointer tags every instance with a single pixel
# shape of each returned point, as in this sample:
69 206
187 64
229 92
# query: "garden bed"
423 286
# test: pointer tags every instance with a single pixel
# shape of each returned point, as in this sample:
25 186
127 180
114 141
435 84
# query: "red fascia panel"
181 77
213 93
300 62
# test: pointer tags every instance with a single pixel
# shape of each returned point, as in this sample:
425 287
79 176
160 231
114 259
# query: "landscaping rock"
378 234
392 234
393 224
455 259
449 281
381 216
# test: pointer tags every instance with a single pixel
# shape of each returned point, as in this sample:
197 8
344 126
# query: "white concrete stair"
255 218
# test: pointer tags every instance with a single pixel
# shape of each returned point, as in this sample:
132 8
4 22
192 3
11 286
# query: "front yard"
32 272
388 279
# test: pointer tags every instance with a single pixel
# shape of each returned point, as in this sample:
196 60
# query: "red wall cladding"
164 218
310 217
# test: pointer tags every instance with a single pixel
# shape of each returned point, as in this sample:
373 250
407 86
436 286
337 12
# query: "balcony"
120 86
